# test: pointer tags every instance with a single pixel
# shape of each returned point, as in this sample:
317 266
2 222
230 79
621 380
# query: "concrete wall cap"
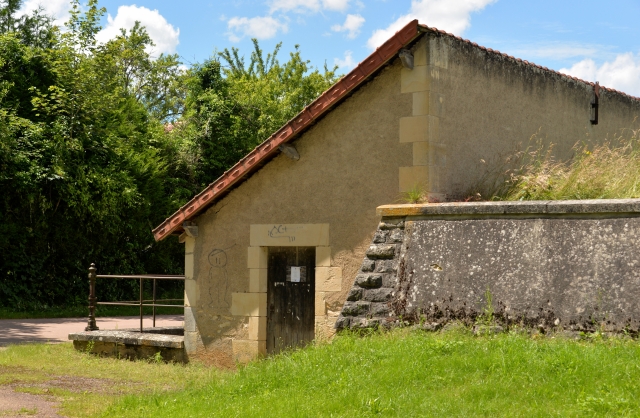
550 207
130 337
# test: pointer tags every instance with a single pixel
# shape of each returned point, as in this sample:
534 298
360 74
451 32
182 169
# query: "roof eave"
291 130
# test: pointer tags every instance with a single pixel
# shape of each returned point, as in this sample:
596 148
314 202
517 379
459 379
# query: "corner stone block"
249 304
386 251
192 341
246 350
412 177
323 256
189 262
420 55
258 280
258 328
414 129
189 320
257 258
190 292
421 103
328 279
325 327
414 80
368 281
189 245
320 304
420 153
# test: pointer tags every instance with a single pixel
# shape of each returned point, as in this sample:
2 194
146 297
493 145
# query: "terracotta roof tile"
327 100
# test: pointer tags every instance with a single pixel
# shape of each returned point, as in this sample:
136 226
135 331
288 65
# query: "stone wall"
569 265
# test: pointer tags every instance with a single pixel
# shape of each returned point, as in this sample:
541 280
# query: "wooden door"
290 297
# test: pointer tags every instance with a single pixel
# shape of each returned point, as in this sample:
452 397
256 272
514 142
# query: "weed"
156 358
375 406
487 316
414 195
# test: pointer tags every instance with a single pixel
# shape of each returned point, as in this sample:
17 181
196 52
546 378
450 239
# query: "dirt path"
18 404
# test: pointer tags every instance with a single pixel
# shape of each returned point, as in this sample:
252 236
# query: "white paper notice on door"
295 274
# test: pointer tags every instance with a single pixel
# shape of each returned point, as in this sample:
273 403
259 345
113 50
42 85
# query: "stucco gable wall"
493 103
348 166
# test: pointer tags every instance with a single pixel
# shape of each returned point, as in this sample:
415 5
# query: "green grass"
418 374
86 385
399 373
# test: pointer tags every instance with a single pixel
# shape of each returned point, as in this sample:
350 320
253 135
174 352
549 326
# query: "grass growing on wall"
610 170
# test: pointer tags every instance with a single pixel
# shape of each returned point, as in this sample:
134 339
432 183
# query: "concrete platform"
132 344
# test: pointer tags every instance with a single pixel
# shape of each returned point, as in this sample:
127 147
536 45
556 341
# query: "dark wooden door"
290 297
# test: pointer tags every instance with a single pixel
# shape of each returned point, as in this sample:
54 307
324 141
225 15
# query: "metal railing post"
91 325
154 303
141 299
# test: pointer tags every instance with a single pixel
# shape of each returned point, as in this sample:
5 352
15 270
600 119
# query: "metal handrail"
91 326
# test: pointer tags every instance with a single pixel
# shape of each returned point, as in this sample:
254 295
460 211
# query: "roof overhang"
307 117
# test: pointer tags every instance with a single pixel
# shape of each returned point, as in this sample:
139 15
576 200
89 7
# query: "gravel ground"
18 404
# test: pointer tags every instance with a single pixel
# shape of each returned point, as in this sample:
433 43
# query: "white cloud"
351 24
58 9
164 35
561 50
450 15
347 63
338 5
623 73
303 6
256 27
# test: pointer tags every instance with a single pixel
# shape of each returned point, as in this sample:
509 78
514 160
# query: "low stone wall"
571 265
132 344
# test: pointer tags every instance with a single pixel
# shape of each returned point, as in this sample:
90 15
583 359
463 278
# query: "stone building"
273 246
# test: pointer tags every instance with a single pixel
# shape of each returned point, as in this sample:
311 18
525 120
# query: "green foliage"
86 168
232 108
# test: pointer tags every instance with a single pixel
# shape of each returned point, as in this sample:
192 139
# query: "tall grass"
610 170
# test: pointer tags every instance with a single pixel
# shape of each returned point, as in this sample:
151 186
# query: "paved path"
18 331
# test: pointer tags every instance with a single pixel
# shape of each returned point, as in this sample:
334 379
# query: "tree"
33 30
232 108
86 169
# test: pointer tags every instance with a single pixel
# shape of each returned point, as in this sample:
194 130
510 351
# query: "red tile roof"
309 115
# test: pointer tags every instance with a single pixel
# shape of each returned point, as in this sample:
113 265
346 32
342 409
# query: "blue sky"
594 40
